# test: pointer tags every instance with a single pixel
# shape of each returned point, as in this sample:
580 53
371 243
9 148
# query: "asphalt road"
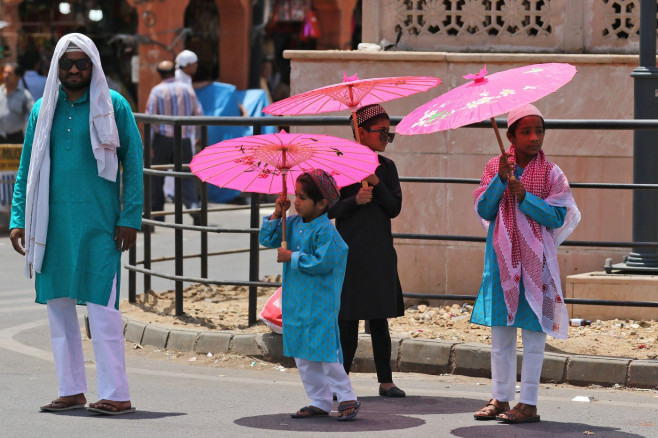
178 398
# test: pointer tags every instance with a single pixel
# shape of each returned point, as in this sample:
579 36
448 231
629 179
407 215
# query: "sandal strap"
521 411
349 405
498 407
312 410
114 404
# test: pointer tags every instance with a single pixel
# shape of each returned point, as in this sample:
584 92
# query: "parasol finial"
478 77
354 77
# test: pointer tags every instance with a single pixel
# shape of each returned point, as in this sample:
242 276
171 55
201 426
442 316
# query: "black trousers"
381 346
163 153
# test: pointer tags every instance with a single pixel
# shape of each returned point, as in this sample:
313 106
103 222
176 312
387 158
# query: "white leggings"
320 379
503 364
106 329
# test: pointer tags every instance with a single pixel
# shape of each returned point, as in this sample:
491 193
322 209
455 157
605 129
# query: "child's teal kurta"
490 308
312 282
81 259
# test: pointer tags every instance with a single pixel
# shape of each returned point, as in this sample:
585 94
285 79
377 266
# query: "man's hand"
17 237
125 237
283 255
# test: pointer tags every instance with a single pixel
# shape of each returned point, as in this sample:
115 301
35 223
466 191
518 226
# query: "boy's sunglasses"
81 64
384 134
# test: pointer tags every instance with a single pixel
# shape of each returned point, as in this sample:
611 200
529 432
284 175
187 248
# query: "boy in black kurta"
371 290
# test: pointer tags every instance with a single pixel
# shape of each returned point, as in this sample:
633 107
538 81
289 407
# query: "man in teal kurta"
90 218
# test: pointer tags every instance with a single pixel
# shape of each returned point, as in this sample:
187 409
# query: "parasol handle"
356 126
500 144
358 137
284 244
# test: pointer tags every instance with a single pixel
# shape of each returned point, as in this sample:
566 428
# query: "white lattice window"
473 17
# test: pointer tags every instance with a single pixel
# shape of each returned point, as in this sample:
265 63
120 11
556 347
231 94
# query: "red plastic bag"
271 314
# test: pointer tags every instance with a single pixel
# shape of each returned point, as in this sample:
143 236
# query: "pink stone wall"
602 89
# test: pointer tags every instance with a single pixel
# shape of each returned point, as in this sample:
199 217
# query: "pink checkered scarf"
528 250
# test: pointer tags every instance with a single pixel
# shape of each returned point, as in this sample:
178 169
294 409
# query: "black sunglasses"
384 134
81 64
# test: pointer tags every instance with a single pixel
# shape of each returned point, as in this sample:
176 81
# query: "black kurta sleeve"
388 193
345 207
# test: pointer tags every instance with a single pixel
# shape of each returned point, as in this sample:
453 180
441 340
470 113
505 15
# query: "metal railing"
257 122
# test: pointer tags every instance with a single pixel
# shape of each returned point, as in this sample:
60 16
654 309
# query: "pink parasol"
269 163
486 97
350 94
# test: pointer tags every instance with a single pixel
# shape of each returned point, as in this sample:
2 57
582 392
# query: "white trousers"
321 379
503 364
107 339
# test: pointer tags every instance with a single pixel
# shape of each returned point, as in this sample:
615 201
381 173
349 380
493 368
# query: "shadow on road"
138 415
376 414
540 430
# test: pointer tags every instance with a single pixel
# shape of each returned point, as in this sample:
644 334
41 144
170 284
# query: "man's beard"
75 86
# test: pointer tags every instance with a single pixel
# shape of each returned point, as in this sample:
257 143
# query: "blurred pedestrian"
33 80
172 98
372 289
526 205
77 205
186 66
15 104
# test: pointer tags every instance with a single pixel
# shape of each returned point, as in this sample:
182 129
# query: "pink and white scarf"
527 250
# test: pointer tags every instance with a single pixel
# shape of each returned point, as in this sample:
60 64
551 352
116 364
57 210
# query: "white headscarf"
104 143
183 59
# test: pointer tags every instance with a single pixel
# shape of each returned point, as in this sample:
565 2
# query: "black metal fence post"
178 216
254 249
147 205
204 211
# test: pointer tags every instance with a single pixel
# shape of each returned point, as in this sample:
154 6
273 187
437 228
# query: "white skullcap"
73 48
185 58
522 111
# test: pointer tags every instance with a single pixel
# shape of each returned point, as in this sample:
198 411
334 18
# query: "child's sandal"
521 413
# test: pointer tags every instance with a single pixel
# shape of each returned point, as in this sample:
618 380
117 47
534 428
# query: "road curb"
408 355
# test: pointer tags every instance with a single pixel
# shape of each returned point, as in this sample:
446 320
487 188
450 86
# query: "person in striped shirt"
172 98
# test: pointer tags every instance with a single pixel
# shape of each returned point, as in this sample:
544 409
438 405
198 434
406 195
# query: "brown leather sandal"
521 413
491 410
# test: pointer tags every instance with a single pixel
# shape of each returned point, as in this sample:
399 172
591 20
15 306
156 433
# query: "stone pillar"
157 19
371 27
234 35
10 33
335 18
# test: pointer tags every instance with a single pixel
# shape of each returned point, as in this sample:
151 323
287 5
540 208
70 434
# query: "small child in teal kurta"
313 272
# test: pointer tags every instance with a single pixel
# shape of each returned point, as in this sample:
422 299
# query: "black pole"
178 216
254 248
645 143
147 205
204 211
132 275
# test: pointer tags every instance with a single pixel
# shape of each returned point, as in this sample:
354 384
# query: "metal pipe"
178 218
254 253
147 204
204 212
